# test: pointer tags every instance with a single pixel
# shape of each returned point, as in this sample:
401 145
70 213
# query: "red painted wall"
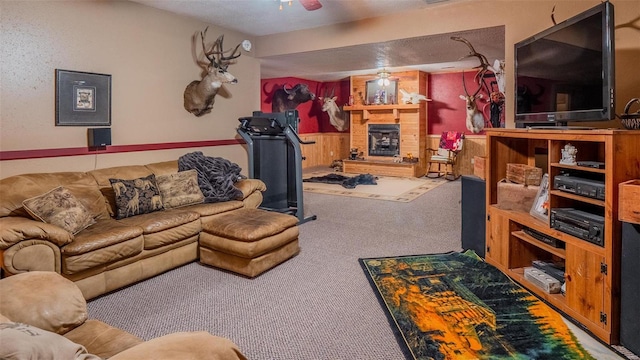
447 111
312 118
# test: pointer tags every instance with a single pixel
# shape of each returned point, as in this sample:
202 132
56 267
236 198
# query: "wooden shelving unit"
592 272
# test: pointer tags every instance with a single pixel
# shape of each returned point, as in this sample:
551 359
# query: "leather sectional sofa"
45 317
110 253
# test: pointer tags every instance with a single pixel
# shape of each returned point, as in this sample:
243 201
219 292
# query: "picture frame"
540 207
82 98
390 95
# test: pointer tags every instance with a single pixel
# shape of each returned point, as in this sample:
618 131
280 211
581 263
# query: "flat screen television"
566 73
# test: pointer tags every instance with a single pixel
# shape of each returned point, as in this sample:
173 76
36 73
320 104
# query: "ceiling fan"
310 5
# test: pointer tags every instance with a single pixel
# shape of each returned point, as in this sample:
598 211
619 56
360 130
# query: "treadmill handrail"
298 137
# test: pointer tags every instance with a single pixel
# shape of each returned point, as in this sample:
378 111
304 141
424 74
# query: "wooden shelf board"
577 197
576 167
533 241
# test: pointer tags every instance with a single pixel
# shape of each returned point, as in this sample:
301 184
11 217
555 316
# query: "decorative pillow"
59 207
22 341
138 196
180 189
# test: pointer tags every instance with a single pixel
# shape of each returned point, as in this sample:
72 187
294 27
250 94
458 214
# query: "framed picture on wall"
381 94
82 98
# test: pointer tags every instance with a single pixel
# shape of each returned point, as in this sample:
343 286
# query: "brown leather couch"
45 317
111 253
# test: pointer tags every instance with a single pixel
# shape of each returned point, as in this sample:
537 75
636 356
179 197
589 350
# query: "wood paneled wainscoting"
328 147
335 146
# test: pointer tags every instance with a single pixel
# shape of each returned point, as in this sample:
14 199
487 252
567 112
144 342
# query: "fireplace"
384 139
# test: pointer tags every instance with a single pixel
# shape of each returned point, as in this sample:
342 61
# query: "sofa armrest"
14 229
43 299
249 186
199 345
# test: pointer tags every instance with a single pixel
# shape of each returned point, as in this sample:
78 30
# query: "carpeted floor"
389 188
317 305
456 306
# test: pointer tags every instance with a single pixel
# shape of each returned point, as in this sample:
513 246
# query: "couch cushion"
249 224
102 339
59 207
105 242
136 196
43 299
15 189
102 176
199 345
180 189
165 227
215 208
25 342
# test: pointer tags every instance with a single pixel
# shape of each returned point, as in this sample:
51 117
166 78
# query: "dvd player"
579 186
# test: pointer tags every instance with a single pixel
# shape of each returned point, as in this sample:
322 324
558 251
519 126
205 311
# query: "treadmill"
275 158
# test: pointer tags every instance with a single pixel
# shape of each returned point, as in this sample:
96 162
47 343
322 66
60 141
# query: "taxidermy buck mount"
199 95
336 113
475 119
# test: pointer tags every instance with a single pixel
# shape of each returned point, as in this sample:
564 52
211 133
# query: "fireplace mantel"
367 109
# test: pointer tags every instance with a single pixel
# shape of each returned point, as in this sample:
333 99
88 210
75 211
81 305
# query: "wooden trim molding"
47 153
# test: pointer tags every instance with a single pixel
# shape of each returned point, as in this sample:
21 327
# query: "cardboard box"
524 174
517 197
479 168
628 201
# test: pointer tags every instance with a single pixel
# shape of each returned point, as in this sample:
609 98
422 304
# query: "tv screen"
566 73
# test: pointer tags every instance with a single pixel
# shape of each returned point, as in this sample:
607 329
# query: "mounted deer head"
475 119
199 95
336 113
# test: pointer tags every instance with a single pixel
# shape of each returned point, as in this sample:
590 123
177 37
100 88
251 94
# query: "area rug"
456 306
389 188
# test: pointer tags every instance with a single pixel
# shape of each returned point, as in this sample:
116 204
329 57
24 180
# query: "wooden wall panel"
474 145
328 147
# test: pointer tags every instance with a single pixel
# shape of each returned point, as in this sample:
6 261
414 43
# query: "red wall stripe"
47 153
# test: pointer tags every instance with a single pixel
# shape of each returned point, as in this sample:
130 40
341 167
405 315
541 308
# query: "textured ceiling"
434 53
262 17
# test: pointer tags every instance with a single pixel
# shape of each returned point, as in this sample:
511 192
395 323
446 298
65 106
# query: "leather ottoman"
249 241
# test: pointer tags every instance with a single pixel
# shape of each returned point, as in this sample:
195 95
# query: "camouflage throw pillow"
59 207
137 196
180 189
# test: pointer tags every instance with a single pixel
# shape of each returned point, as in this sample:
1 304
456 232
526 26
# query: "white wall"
150 55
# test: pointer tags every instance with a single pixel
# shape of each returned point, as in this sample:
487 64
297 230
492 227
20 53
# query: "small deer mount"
199 95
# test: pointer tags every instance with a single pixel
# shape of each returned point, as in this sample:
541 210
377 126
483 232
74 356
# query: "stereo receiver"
578 223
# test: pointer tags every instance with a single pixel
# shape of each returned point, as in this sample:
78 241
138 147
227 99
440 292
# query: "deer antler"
216 53
484 64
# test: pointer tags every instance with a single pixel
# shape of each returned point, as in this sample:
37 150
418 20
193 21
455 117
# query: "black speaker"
473 214
99 137
630 287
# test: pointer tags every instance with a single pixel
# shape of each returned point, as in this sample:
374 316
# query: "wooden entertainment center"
592 272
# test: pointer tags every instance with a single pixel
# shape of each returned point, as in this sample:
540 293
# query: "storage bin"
479 167
524 174
628 202
518 197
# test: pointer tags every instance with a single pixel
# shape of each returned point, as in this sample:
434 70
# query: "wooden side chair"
445 156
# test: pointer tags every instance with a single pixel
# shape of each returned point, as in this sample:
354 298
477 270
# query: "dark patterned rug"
456 306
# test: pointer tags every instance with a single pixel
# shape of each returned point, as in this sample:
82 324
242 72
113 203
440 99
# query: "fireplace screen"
384 139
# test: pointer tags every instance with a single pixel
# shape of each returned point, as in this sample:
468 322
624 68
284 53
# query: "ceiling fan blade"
311 4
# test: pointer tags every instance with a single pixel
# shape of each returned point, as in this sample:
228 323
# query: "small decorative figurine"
569 155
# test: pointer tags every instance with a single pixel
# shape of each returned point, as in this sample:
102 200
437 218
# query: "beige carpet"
388 188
